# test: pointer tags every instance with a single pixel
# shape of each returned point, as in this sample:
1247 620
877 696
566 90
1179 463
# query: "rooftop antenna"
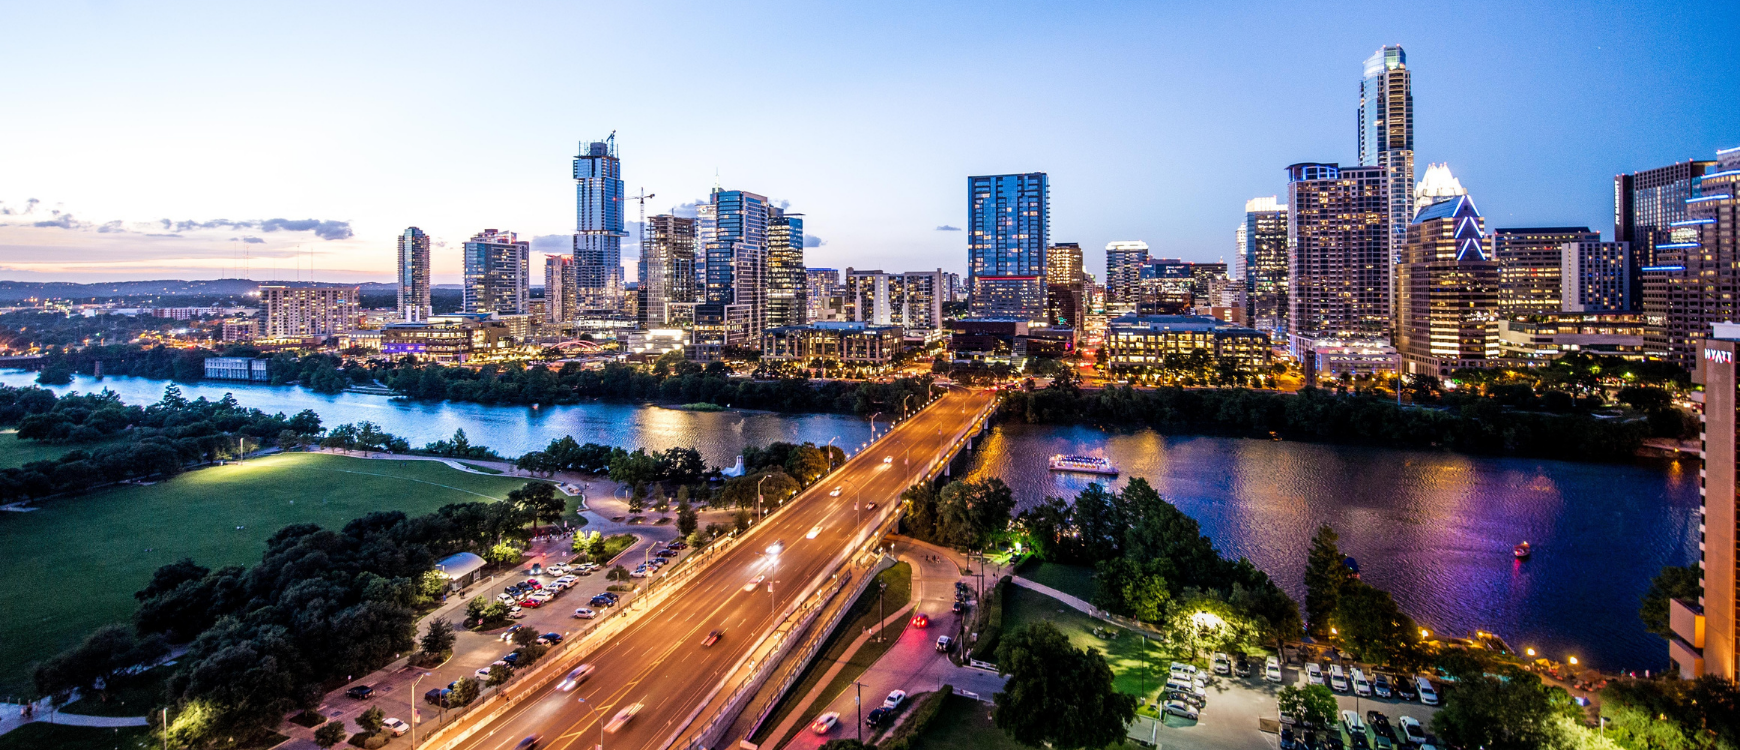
715 179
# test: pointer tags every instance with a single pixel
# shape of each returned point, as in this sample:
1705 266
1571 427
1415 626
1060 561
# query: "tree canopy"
1057 695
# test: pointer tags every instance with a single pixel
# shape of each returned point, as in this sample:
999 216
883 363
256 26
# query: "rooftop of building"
1176 323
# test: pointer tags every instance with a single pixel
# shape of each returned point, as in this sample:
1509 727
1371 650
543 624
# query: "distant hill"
11 291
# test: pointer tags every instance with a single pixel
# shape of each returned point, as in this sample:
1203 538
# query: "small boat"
1083 465
1521 551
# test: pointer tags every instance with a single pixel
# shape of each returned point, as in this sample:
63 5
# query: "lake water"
1435 529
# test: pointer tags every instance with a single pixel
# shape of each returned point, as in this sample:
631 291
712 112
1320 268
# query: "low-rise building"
1550 336
653 343
446 338
843 341
240 329
1334 356
1137 342
248 369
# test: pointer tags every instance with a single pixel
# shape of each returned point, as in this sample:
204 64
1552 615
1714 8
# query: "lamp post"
594 710
873 424
903 405
410 700
859 703
758 497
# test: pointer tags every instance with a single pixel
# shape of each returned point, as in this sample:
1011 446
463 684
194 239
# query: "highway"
661 662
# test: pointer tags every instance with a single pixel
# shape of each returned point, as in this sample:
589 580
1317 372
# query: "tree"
1325 575
1312 704
329 734
1372 627
847 744
525 636
438 638
370 720
537 501
464 691
504 553
1057 694
1673 582
1509 710
687 521
499 674
596 549
474 609
618 573
432 584
104 657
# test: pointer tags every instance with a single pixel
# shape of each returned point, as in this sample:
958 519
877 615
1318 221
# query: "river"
1435 529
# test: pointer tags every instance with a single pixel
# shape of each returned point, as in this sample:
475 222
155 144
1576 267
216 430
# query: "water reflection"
1435 529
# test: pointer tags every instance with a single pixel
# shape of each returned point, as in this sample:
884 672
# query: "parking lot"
1231 718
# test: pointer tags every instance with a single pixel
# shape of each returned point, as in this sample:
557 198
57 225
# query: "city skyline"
349 183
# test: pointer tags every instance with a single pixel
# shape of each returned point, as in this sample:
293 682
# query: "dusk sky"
145 141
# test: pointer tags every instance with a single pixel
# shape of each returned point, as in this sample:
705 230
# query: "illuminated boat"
1083 465
1521 551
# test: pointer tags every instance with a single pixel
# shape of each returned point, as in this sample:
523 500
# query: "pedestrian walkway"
1073 602
12 717
803 707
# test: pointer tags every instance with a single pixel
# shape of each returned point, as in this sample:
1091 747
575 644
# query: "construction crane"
641 247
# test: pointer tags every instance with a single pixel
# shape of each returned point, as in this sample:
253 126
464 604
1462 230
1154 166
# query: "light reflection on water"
1435 529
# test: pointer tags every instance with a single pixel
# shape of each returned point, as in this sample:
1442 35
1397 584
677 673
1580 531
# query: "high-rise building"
1701 260
1529 267
1065 286
736 256
706 231
414 302
309 311
666 269
1705 631
1338 261
870 295
1261 262
1124 263
918 300
1448 287
1008 231
497 273
1594 276
1645 204
786 291
598 231
1063 264
559 302
1386 135
821 286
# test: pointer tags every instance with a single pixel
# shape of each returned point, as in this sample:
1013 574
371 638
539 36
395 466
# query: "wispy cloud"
323 228
811 240
553 243
947 228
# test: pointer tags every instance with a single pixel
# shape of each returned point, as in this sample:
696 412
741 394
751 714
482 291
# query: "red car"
532 603
712 638
920 620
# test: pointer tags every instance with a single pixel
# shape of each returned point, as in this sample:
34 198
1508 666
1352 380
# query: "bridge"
652 653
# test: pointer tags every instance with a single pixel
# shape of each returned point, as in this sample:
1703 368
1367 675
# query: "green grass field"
74 564
1139 671
1075 580
965 724
15 453
41 736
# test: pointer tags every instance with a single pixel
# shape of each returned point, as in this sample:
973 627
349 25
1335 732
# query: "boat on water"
1521 551
1083 465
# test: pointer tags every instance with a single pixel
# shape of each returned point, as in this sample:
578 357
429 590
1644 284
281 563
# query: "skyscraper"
736 259
598 228
414 304
1594 276
1529 267
1063 263
308 311
497 273
1701 258
666 269
1338 261
1124 262
1262 263
1008 231
1645 205
1386 135
559 304
1448 291
786 292
820 284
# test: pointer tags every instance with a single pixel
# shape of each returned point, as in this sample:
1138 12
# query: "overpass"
652 654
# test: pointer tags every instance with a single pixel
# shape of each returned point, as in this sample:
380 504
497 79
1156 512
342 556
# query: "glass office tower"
414 304
1008 231
598 230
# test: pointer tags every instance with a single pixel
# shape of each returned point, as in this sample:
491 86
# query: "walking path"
12 717
1073 602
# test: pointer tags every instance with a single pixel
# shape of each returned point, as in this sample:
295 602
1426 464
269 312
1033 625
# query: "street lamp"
594 710
903 405
873 424
412 701
757 497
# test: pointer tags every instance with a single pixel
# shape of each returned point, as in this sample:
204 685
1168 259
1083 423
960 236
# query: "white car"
1350 721
753 582
639 572
887 459
1361 685
584 614
398 728
1272 669
482 673
825 722
894 700
1337 678
575 677
776 548
814 530
1313 673
1181 709
621 718
836 492
1222 665
1180 669
1428 694
556 570
567 580
1411 729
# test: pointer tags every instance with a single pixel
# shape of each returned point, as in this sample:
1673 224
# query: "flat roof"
460 565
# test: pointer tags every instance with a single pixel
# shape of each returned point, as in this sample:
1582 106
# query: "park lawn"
110 541
965 724
1075 580
475 467
866 611
15 453
41 736
134 700
1137 671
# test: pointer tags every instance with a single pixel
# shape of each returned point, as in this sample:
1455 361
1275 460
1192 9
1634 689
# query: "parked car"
894 699
1428 694
602 601
1242 666
1181 669
584 614
1187 687
1404 688
678 545
1181 709
1380 685
532 603
944 644
666 553
437 696
1222 665
1337 678
1380 724
1272 669
1350 721
512 658
397 727
1313 673
1176 694
875 717
1411 729
825 722
360 692
639 572
1361 685
516 613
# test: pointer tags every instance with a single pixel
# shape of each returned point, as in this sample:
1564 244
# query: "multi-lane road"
661 662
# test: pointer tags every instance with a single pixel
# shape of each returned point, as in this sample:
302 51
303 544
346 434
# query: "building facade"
1261 261
1594 277
1645 204
1701 261
843 341
559 301
414 289
309 312
666 269
822 291
1386 136
497 273
1705 631
1136 344
598 226
1540 338
1448 287
1124 264
1338 260
736 255
1008 232
787 293
1530 267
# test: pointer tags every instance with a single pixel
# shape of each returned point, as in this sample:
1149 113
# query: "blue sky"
1155 121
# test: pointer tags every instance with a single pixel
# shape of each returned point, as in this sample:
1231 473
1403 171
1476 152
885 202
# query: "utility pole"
859 702
882 604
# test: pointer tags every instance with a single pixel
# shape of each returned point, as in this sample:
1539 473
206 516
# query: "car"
542 596
556 570
482 673
920 620
1380 724
1380 685
567 580
887 459
875 717
753 582
360 692
622 718
1411 729
583 613
825 722
944 644
777 547
1361 685
1272 669
1187 687
677 545
397 727
516 613
1404 688
1313 673
1428 694
1337 678
813 532
836 491
549 639
1359 742
639 572
437 696
1187 696
600 601
533 583
712 638
1222 665
869 506
1180 669
1350 721
575 676
529 743
1181 710
504 597
666 553
512 658
531 603
1332 741
894 699
1242 666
